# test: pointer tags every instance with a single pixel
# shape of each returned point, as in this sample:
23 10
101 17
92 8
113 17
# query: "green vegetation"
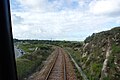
89 55
72 44
24 68
76 55
32 60
97 46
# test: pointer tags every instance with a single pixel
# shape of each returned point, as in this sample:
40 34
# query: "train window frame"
8 69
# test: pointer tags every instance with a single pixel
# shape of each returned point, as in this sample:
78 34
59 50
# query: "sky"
72 20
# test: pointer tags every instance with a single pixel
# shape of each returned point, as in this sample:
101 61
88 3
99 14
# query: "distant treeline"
53 42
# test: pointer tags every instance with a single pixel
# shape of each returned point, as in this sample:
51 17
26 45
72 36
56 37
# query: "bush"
24 67
28 63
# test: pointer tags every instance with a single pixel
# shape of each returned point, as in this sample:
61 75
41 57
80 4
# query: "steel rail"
49 72
65 76
52 66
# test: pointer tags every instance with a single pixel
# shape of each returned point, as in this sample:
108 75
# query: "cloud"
105 7
59 19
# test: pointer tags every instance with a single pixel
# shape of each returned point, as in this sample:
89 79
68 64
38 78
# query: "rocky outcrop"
100 55
104 72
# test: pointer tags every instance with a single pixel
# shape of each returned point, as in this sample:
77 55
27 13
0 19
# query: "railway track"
58 68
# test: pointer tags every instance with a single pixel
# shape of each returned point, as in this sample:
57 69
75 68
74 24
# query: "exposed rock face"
104 72
100 55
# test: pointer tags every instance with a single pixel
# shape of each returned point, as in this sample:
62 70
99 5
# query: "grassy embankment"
32 60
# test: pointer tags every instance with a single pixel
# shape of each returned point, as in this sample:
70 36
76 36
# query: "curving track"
59 67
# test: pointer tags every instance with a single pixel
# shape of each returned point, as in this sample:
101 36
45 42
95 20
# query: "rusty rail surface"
59 54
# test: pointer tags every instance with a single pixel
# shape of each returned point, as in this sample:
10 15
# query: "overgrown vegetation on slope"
33 59
99 55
